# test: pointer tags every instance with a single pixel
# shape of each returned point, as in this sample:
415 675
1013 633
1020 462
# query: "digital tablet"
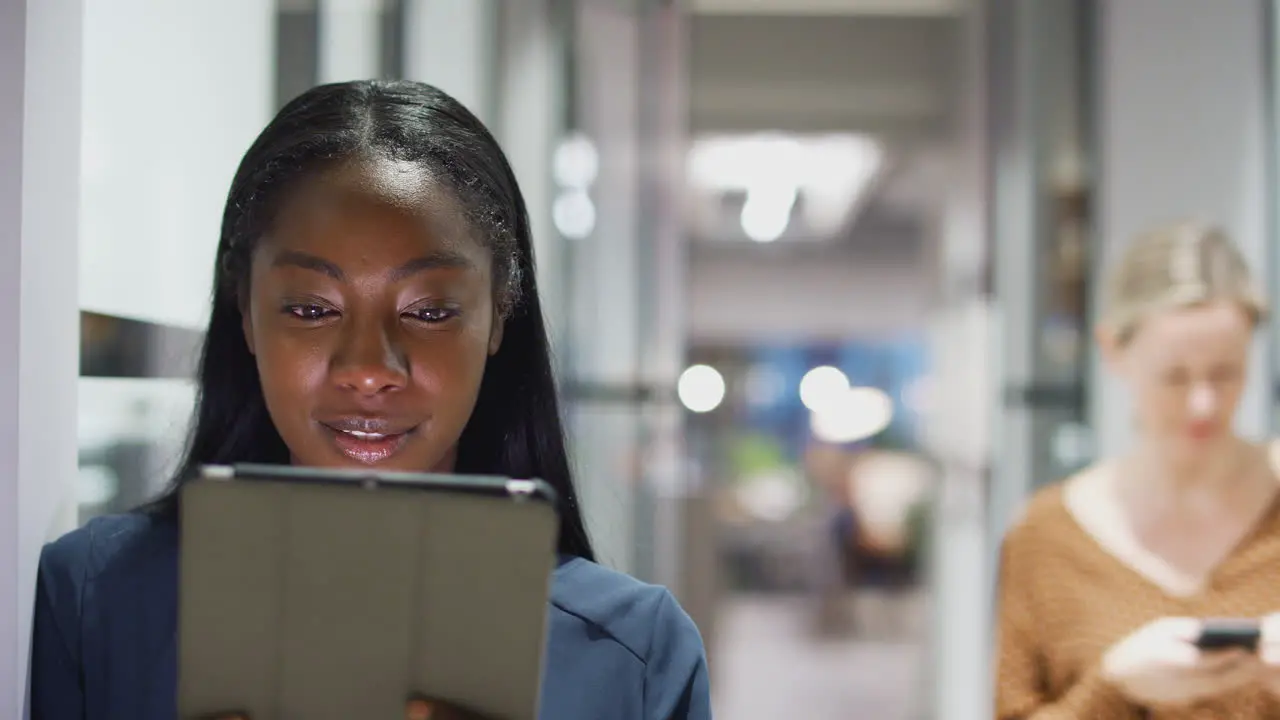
332 595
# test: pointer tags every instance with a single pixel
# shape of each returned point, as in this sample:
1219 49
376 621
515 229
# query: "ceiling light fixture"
833 173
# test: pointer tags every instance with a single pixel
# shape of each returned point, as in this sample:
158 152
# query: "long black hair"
515 429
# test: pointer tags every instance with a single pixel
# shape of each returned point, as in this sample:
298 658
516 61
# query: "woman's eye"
308 312
1224 375
432 315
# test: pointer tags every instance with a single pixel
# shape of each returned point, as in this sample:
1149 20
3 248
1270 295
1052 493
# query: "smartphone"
1228 634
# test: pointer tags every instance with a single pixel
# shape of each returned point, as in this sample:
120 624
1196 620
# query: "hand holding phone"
1229 634
1165 661
1269 653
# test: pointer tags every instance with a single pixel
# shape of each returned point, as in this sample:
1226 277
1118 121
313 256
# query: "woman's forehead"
400 184
394 181
369 200
1207 333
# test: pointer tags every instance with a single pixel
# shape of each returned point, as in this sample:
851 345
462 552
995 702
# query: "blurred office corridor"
769 666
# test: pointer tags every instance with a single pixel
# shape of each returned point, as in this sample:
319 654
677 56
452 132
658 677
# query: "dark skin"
371 311
370 300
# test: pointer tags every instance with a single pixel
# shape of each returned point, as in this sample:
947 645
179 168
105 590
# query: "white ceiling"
889 76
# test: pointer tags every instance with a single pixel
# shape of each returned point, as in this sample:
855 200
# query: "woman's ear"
1110 345
496 331
246 325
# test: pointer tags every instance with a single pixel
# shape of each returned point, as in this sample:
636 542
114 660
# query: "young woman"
375 306
1107 579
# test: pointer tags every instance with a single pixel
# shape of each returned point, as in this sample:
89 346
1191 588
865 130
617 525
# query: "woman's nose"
369 360
1202 402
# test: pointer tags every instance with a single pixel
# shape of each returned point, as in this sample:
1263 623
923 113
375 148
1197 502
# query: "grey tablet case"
328 597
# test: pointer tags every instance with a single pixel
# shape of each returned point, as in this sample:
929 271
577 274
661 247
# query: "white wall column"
350 40
962 412
1015 196
1182 133
605 276
529 120
40 124
153 260
452 44
683 530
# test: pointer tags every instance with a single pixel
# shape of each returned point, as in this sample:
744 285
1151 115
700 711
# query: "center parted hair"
516 428
1177 266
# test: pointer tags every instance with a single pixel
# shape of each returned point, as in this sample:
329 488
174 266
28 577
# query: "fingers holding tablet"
425 709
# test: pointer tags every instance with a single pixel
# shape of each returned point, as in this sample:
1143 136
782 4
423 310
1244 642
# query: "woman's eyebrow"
444 259
307 261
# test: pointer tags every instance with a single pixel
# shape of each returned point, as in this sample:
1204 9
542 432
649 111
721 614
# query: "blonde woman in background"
1107 578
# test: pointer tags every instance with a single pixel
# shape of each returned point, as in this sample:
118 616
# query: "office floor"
769 665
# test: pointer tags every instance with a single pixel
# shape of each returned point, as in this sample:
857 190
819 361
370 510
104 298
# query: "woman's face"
371 315
1187 369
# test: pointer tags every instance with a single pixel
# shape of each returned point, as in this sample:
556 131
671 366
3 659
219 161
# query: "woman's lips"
1202 431
368 441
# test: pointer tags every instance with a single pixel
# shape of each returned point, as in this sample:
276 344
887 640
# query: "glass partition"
1042 105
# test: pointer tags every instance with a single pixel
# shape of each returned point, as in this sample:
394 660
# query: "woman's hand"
415 709
1269 653
1159 665
424 709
